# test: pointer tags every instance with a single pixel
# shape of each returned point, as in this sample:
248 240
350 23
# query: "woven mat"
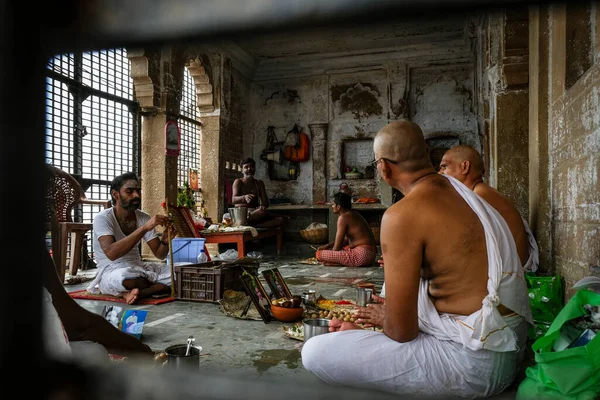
84 294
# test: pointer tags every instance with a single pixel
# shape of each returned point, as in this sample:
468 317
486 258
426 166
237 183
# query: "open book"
182 219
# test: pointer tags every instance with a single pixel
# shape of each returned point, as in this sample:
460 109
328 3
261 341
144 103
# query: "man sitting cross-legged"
466 164
117 235
456 309
354 244
251 193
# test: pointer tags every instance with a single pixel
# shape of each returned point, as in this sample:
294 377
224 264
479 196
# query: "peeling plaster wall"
575 166
356 105
442 102
281 105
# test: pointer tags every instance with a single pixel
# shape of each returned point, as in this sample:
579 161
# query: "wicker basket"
315 236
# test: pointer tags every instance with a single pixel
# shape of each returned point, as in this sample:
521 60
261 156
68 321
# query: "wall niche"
438 146
357 153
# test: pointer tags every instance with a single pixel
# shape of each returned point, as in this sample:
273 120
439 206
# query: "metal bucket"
239 216
177 359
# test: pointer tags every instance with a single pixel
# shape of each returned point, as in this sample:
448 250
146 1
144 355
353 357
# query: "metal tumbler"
363 296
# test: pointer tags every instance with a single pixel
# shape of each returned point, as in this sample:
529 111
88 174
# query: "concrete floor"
247 348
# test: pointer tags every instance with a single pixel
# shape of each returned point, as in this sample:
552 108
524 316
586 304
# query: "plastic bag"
255 254
573 373
545 296
230 254
591 283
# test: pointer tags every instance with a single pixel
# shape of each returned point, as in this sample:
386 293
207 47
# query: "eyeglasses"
375 162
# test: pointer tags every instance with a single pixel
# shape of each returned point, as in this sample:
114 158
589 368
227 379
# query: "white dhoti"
453 355
109 279
425 366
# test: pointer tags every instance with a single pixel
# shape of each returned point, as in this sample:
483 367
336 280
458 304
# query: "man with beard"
117 235
250 192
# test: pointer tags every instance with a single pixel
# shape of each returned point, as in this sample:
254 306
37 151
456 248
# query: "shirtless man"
456 319
117 235
465 164
250 192
354 244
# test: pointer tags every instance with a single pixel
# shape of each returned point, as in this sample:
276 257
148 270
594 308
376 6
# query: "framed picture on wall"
194 179
172 138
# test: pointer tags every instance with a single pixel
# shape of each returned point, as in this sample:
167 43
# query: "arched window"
92 121
190 128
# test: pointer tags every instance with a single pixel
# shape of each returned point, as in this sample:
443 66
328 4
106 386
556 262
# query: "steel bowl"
315 327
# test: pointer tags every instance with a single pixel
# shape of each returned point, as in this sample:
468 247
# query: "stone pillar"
158 99
512 151
319 161
159 171
211 175
540 211
509 110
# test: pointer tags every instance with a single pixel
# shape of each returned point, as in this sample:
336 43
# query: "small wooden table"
241 237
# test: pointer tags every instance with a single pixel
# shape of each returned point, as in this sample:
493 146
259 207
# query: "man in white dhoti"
466 164
456 310
118 232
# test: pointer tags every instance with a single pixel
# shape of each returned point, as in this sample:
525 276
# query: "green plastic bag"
573 373
545 296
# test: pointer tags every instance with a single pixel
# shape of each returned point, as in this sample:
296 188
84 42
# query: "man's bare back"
357 229
510 215
452 244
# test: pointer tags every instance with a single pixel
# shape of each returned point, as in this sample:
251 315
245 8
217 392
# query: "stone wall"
575 166
565 128
355 105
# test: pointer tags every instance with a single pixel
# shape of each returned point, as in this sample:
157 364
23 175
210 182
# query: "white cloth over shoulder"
533 262
112 273
459 356
485 328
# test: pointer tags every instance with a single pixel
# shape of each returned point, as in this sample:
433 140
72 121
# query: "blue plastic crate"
186 249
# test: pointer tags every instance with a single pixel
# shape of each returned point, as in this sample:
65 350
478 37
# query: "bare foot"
131 296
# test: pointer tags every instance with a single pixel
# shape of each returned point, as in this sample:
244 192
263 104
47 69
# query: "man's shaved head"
402 141
467 153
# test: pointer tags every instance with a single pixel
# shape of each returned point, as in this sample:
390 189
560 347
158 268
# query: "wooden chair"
63 193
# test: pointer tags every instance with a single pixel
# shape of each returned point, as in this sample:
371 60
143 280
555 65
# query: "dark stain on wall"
290 95
361 99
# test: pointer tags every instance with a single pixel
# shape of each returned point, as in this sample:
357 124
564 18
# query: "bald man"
466 164
456 308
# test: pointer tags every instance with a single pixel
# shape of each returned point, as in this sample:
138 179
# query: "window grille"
92 122
189 127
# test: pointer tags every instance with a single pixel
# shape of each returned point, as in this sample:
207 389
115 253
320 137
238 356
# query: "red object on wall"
300 151
172 138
